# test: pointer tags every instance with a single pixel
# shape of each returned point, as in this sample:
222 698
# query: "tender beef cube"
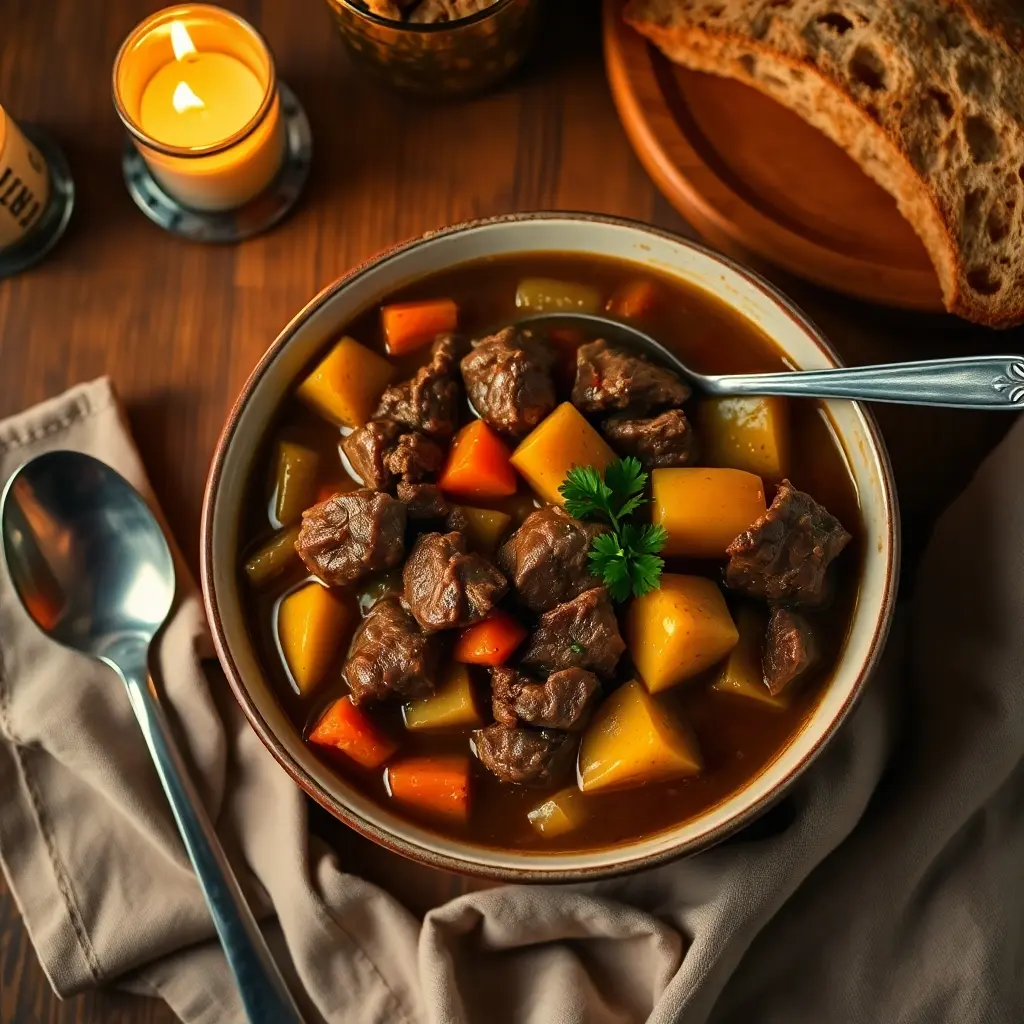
390 656
561 702
614 380
528 757
423 502
430 401
547 558
366 449
351 535
581 633
508 380
446 586
658 441
414 457
790 649
785 555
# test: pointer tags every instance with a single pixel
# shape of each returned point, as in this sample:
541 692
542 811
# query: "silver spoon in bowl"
971 382
92 568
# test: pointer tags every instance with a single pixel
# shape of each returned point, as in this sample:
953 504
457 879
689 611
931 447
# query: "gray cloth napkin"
891 893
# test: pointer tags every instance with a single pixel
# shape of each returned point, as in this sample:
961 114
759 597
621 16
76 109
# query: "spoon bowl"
993 383
86 555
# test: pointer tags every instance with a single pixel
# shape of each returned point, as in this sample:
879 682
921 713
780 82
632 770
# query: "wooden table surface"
179 326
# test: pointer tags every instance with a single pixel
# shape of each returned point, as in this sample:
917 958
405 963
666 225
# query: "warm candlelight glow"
194 82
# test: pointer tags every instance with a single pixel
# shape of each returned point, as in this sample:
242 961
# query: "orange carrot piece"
490 642
437 785
408 325
634 300
478 466
348 730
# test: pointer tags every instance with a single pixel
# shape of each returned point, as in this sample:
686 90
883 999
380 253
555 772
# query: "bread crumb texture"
926 95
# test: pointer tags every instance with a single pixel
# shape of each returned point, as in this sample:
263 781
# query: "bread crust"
926 95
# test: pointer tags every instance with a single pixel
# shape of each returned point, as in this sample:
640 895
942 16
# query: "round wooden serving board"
753 177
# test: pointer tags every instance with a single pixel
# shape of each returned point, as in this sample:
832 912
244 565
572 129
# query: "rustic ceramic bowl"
322 321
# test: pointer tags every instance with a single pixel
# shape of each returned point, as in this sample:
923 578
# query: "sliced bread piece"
926 95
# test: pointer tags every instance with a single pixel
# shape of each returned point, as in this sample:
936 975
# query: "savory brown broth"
737 738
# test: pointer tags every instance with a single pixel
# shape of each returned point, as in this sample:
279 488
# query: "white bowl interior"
277 376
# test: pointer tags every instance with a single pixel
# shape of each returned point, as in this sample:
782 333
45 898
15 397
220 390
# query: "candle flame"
185 99
181 41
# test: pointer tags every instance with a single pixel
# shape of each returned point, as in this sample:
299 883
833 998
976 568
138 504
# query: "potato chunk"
751 434
347 385
705 510
559 814
452 705
741 674
484 528
633 740
312 622
678 630
563 440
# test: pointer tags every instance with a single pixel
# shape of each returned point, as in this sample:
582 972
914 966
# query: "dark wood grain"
179 326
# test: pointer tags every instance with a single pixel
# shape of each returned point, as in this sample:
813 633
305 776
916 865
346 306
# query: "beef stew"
487 689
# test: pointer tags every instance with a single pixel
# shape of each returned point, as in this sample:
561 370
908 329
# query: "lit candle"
24 183
195 86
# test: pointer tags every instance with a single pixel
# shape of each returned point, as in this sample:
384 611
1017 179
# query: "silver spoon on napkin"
92 567
971 382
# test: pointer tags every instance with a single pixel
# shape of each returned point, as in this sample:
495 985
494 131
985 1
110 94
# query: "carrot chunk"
408 325
491 641
634 300
478 466
436 785
348 730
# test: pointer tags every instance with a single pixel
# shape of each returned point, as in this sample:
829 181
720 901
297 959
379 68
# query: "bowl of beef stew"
517 602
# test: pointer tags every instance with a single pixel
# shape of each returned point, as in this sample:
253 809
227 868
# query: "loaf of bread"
926 95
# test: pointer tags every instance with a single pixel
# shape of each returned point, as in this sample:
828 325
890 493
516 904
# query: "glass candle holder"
196 88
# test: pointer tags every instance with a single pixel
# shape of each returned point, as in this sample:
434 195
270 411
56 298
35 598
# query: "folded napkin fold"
890 892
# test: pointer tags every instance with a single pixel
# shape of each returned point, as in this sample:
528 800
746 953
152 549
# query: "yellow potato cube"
486 527
741 674
561 813
452 705
346 387
633 740
563 440
678 630
746 433
704 510
312 622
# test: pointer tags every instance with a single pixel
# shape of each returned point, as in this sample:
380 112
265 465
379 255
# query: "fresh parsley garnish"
627 558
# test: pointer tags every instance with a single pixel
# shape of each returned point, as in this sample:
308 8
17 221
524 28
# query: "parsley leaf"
626 559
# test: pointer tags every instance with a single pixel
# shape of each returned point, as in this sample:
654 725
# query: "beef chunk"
423 502
351 535
414 457
390 656
508 380
546 558
581 633
559 703
446 587
366 449
430 401
785 555
658 441
790 649
528 757
611 379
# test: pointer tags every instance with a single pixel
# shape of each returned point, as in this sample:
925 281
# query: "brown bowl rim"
419 28
432 858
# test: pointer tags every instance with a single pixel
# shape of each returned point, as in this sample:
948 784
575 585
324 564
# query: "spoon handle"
264 994
974 382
